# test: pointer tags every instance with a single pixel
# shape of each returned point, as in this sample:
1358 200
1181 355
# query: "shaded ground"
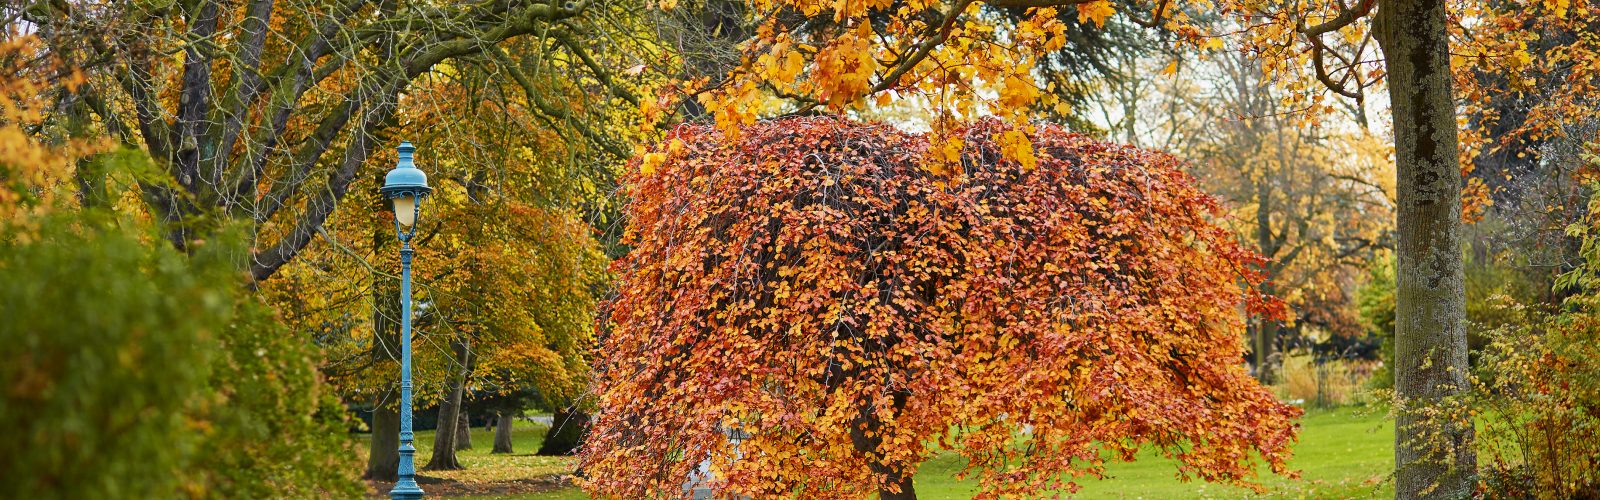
439 487
486 474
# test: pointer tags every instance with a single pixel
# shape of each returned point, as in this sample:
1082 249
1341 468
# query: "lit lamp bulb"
405 210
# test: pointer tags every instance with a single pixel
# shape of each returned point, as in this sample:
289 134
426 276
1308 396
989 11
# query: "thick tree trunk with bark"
444 438
383 454
1434 458
383 457
502 432
463 429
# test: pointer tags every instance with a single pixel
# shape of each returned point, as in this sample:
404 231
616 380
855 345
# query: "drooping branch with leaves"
814 286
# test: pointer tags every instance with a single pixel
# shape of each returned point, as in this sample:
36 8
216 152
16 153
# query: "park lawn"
1342 453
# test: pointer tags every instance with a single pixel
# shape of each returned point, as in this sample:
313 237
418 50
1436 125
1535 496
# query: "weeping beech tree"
854 300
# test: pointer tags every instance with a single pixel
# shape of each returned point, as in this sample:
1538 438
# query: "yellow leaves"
844 69
1558 7
781 66
951 150
650 162
1014 144
667 4
1017 92
1041 29
793 62
1170 69
1097 11
35 172
946 159
651 111
736 105
1007 342
1518 61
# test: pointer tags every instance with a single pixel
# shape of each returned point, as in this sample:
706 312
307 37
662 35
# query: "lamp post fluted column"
406 186
406 488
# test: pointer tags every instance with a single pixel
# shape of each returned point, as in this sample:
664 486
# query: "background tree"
1316 202
506 267
274 109
812 284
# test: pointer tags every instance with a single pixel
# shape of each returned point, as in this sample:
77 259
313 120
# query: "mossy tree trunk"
383 453
566 432
1434 457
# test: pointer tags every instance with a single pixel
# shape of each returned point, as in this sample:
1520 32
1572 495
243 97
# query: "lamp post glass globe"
405 210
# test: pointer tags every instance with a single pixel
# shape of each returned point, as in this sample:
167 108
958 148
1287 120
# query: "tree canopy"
815 285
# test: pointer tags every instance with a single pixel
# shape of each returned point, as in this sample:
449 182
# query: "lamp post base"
406 489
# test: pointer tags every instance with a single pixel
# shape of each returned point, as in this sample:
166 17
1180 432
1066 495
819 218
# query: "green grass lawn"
1343 453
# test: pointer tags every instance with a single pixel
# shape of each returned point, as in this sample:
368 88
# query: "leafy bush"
1539 394
271 428
132 370
1539 387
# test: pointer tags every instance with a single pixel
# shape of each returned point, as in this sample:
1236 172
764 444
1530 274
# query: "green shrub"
1538 392
272 429
131 370
1538 387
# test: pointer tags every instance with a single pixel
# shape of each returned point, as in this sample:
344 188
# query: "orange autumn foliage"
812 284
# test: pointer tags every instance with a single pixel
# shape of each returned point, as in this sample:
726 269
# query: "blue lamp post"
406 186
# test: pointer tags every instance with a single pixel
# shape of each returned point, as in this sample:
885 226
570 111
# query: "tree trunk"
1434 458
908 490
866 437
1266 332
1266 346
566 433
383 457
383 454
444 436
463 430
502 432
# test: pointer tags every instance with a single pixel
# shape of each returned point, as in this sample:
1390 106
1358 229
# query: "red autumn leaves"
814 284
